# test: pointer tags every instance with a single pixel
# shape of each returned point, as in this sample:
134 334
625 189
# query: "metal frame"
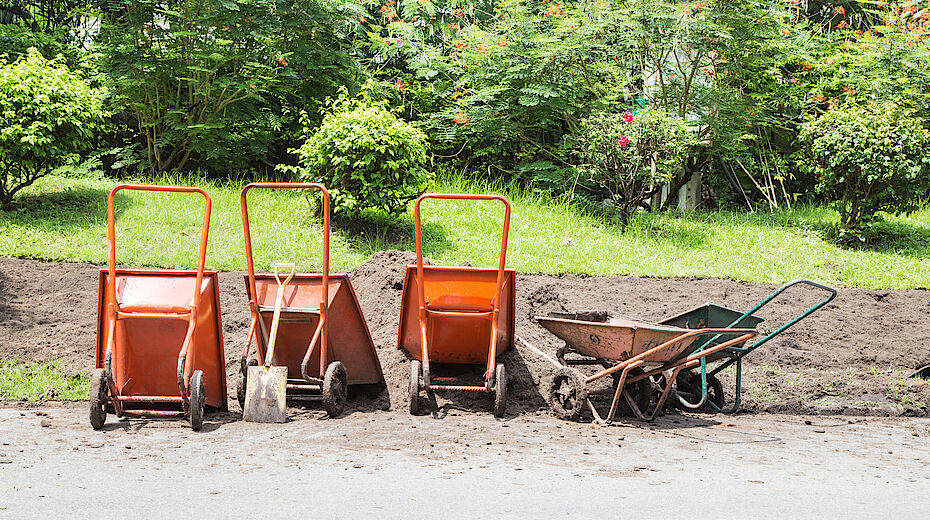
425 313
735 354
321 334
113 314
639 361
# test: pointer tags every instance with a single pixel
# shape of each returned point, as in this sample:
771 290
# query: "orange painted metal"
321 320
155 327
458 314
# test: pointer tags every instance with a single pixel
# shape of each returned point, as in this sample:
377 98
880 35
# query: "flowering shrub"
869 158
367 157
630 156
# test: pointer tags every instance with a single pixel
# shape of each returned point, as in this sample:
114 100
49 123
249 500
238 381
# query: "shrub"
367 157
48 114
631 157
869 158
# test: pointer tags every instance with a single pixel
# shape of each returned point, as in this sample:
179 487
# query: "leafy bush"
218 84
367 157
629 156
48 114
869 158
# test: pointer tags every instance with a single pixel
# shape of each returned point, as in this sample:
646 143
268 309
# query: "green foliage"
218 84
39 381
869 158
631 156
367 157
48 114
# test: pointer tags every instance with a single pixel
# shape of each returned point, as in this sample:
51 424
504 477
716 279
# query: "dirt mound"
853 356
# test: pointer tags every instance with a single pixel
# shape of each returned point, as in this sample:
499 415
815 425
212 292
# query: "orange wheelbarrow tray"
159 349
323 338
461 315
630 353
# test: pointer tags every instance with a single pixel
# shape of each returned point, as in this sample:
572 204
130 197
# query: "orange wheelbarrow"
322 336
159 346
462 315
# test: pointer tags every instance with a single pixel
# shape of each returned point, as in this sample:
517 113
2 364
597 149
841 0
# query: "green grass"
65 219
35 381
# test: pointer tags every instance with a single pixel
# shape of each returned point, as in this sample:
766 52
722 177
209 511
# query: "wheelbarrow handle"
250 263
830 296
505 233
111 228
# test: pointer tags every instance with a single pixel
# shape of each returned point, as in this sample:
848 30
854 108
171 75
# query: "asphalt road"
463 465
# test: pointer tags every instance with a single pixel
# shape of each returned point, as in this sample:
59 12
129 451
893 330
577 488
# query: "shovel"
266 386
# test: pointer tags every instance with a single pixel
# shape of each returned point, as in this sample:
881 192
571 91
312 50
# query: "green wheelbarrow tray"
713 316
716 316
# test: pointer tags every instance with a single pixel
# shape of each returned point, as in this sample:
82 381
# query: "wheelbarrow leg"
739 390
665 393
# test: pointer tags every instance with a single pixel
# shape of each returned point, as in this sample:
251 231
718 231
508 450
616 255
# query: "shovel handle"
277 307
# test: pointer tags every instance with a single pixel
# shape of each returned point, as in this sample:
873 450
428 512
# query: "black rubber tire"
567 394
500 390
98 399
714 393
335 389
690 384
197 398
242 380
413 396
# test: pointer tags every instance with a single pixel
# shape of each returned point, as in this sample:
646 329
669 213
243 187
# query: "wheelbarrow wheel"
567 394
197 398
98 399
500 390
335 389
242 381
413 397
714 392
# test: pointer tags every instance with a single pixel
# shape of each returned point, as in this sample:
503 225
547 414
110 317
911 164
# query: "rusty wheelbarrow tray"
630 352
159 349
462 315
706 392
323 338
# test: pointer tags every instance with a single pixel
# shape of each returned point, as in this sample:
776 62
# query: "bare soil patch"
852 357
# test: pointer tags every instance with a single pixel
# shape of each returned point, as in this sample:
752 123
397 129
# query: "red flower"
461 118
458 13
623 141
818 98
482 49
502 42
628 117
700 6
839 10
282 61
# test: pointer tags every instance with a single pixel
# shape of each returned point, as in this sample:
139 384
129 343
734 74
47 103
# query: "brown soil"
852 357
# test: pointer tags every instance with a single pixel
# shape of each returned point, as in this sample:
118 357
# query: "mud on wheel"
567 394
500 390
197 398
98 399
335 389
689 386
242 380
413 397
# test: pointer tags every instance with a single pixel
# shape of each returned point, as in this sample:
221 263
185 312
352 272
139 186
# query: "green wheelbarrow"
704 391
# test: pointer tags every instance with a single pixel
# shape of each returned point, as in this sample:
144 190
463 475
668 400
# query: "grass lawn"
62 218
34 381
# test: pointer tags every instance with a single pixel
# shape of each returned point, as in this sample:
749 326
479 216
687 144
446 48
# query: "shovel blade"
265 394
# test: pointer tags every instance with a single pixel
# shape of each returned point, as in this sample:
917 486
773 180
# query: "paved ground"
463 465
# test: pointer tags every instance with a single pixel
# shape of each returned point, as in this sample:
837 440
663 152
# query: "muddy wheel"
714 392
335 389
198 396
500 390
242 380
413 397
98 399
567 394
